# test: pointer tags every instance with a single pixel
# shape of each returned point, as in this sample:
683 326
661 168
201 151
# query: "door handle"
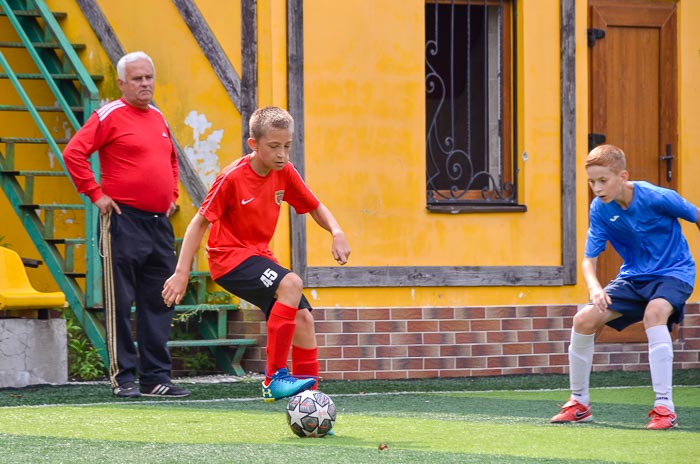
668 157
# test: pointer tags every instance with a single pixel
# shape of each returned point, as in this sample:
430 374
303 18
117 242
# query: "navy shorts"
630 298
255 280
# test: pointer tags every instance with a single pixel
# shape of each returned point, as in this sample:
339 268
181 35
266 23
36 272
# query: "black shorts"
255 280
630 298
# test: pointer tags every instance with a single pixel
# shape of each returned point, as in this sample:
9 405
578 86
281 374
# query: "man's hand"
172 209
105 204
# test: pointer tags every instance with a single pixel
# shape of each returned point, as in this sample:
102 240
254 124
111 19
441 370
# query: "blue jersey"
647 234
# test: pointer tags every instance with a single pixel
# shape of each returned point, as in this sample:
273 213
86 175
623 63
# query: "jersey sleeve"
678 207
76 156
298 194
219 195
596 238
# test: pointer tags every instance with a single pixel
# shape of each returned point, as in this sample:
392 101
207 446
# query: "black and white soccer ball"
311 413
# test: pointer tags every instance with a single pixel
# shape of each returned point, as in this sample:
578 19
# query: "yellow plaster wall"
364 110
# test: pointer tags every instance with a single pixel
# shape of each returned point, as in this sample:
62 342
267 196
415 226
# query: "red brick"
547 323
341 339
470 313
374 339
423 374
497 312
423 351
686 356
455 350
365 375
470 362
406 339
340 314
359 351
375 364
392 351
439 363
332 376
624 358
486 324
470 337
439 313
559 359
406 364
342 364
422 326
534 360
392 375
406 313
328 327
358 327
690 332
549 347
487 372
454 326
439 338
559 335
501 336
567 311
374 314
516 324
390 326
517 348
325 352
456 373
531 311
487 350
533 336
502 361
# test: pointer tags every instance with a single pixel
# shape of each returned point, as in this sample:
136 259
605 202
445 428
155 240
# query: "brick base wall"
409 343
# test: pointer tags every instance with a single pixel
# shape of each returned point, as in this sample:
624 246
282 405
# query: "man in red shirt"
243 206
139 182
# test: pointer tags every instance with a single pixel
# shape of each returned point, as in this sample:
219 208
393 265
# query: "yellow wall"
364 139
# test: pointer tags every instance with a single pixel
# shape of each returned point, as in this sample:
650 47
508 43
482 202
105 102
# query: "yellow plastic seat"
16 292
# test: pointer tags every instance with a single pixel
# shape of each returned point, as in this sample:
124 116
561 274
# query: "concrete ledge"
33 352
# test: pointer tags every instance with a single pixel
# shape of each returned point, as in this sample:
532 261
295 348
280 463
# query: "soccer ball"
311 413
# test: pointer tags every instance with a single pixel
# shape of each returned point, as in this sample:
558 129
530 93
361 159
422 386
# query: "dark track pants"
143 257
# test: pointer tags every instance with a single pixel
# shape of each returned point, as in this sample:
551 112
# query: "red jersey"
138 162
243 208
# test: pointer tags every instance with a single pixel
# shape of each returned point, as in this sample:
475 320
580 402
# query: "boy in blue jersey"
656 278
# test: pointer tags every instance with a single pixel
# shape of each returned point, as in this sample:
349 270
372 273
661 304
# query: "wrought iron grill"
469 160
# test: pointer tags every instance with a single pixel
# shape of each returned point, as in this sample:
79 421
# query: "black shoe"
126 390
167 390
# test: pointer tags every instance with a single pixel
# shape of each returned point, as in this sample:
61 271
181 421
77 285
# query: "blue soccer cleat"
283 385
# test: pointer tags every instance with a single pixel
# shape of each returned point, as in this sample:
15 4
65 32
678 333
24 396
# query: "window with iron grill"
470 163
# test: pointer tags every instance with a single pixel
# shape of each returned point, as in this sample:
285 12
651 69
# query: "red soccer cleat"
573 412
662 418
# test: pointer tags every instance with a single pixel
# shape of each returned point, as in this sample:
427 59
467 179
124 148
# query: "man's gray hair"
130 58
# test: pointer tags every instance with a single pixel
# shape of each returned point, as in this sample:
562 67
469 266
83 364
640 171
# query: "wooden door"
633 101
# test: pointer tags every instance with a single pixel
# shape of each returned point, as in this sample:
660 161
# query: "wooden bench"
17 295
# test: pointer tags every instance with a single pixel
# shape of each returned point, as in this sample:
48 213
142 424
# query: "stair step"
66 241
201 307
41 109
30 140
57 76
212 342
35 13
75 275
39 45
52 206
20 172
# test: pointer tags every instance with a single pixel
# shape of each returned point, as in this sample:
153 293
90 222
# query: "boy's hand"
600 299
174 288
340 248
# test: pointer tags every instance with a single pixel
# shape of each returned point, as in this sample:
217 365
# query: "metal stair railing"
92 296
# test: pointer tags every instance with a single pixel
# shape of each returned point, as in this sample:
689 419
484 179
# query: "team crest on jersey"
279 195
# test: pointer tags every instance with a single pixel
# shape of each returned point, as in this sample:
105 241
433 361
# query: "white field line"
128 402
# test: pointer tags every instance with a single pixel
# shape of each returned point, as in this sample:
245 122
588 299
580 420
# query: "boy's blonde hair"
608 156
269 117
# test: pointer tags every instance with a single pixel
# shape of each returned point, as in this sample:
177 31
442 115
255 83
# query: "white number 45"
268 277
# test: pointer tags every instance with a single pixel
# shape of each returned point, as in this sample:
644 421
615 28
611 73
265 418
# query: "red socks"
305 364
280 331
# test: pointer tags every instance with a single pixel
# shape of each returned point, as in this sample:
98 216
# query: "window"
470 162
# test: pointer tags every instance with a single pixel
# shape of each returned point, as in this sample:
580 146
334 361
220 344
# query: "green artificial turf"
487 420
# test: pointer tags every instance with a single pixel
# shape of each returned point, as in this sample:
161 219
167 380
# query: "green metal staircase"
33 182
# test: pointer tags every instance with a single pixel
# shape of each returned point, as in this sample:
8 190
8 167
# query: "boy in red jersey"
243 206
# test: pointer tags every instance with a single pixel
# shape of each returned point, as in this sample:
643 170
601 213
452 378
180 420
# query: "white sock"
580 362
661 365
